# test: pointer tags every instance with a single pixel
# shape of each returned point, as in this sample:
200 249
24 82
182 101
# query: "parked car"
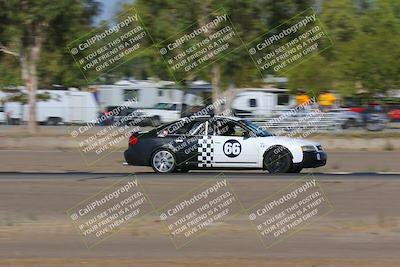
121 114
374 117
163 113
370 118
350 118
394 113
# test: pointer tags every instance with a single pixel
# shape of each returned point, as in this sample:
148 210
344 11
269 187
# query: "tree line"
364 55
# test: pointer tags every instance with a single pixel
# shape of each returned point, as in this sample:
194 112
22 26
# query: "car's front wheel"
349 123
277 160
163 161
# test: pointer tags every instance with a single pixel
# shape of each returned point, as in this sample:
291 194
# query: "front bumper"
313 159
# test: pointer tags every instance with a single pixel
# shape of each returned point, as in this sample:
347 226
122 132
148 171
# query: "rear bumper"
134 158
313 159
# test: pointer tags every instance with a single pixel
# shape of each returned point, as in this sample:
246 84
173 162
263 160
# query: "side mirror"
246 134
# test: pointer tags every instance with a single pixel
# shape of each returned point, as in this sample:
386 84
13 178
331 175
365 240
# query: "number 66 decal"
232 148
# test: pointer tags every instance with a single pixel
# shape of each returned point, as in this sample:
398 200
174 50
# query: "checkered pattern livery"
205 149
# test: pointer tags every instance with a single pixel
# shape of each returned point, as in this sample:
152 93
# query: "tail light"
133 140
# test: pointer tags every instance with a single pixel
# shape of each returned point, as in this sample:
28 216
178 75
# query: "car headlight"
308 148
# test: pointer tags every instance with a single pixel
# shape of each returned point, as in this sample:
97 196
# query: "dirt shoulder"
60 138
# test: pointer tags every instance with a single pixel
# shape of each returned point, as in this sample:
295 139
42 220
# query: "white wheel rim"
163 161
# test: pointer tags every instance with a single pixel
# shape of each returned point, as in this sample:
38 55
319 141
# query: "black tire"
53 121
277 160
15 121
295 169
375 127
348 123
163 161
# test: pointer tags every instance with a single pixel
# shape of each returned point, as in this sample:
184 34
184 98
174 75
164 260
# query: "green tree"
251 19
30 27
365 49
371 58
327 70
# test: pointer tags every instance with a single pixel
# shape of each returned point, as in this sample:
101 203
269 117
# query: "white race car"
220 143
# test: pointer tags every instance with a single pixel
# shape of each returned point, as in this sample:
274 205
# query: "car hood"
287 141
151 111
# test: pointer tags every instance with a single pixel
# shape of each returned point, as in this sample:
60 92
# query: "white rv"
63 106
3 117
14 112
139 94
259 102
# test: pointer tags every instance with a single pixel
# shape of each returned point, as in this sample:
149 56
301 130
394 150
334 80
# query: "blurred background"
355 82
346 97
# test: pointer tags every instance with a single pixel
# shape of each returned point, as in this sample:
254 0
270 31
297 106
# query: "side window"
185 128
283 99
252 102
200 129
228 128
130 94
172 107
179 127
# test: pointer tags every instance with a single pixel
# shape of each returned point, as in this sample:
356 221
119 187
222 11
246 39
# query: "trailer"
136 93
259 102
61 107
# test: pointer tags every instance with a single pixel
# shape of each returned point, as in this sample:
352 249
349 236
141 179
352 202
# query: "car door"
171 113
186 142
233 145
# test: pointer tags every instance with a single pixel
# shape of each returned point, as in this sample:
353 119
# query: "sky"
109 9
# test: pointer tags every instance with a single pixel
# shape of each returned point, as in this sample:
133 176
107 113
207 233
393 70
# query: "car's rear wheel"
277 160
163 161
349 123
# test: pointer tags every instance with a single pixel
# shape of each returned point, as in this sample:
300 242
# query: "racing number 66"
232 148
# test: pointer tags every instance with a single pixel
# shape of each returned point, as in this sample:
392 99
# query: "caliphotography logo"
205 133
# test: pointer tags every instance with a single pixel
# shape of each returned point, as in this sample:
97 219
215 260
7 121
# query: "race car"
216 142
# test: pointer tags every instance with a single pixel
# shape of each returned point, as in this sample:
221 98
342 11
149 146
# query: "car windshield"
259 131
161 106
165 106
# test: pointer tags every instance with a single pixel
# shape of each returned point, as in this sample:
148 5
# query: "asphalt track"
338 175
72 162
363 228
